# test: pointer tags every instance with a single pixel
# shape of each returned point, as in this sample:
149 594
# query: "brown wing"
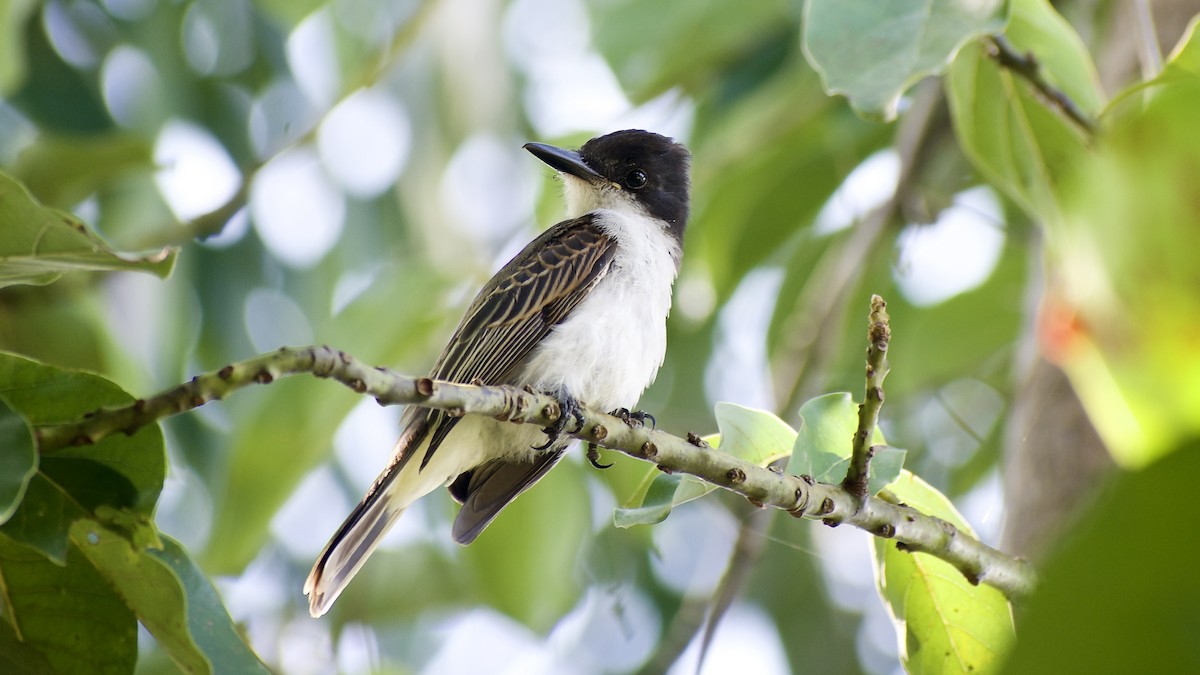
517 308
488 488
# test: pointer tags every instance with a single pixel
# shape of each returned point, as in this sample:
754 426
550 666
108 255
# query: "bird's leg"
568 408
635 418
593 456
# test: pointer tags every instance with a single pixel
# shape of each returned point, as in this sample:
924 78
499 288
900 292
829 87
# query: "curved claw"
593 456
635 418
569 408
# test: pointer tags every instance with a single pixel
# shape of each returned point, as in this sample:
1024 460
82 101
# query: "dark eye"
635 179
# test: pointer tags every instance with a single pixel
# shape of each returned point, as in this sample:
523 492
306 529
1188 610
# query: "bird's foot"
568 408
593 456
635 418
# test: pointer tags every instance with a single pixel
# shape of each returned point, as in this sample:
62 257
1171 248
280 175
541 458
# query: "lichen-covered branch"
800 496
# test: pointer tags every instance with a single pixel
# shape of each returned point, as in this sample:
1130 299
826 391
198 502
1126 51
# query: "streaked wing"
519 306
516 309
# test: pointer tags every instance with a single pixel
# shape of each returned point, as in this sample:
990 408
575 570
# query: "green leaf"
946 624
825 438
13 15
121 472
1020 144
895 44
18 459
825 442
756 436
211 627
38 244
1184 60
1126 296
17 657
69 614
186 618
885 467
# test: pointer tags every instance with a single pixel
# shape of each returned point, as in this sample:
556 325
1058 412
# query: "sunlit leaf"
895 44
945 623
1127 296
1184 60
38 244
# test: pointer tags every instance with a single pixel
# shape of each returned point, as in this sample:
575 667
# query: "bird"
580 313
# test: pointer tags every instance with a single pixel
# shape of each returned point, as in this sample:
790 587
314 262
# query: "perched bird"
580 313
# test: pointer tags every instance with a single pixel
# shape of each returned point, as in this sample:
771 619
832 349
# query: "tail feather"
366 525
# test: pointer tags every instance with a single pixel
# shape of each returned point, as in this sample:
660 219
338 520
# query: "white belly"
610 347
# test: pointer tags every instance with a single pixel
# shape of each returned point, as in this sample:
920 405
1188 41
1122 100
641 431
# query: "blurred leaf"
38 245
1184 60
67 613
1014 138
124 472
18 459
755 436
13 15
171 598
895 44
525 561
947 624
62 171
1128 286
649 60
1132 607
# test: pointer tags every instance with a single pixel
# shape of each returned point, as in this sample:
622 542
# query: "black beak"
566 161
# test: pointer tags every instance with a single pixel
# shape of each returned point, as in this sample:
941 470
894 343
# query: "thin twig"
800 496
879 334
1027 66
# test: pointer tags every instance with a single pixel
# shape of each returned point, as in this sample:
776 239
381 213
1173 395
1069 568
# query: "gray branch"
832 504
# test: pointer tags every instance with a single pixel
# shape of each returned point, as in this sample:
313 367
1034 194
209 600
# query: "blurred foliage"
94 95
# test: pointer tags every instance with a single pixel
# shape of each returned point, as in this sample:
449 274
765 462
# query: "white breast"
610 347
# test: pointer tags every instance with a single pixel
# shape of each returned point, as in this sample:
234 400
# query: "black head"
652 169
